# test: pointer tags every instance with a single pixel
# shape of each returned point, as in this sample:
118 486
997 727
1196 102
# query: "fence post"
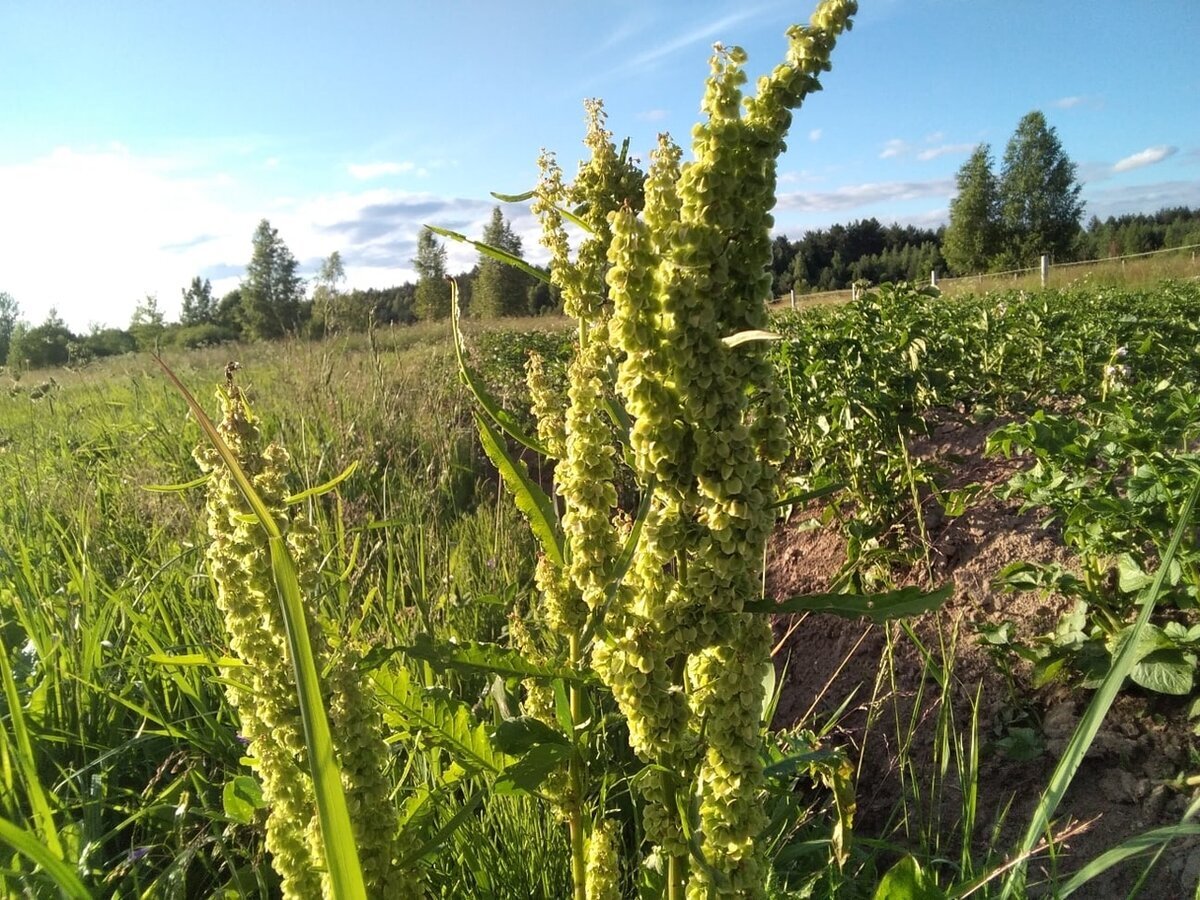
1045 269
793 298
933 277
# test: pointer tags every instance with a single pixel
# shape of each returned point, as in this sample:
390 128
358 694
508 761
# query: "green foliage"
271 293
972 238
1039 192
432 299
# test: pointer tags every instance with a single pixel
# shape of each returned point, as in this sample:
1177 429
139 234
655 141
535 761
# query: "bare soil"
1131 781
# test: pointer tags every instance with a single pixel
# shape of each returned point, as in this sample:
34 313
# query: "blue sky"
143 142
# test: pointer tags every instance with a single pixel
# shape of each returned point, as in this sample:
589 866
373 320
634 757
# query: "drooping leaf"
530 498
502 417
494 252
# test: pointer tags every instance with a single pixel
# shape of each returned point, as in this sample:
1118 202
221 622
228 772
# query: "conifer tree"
432 299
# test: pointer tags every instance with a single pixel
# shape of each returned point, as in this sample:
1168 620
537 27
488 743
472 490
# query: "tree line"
273 301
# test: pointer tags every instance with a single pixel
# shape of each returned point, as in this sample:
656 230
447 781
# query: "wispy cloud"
367 171
1069 102
1140 198
815 135
944 150
707 32
1147 157
893 148
860 195
652 115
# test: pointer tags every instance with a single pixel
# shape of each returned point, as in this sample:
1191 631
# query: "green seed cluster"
263 690
683 660
603 863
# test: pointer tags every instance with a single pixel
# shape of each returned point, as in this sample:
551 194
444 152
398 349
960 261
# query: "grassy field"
120 754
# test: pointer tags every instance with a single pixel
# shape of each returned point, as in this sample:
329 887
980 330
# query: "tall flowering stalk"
680 278
264 690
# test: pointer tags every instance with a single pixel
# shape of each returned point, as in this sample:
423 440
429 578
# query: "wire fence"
1041 273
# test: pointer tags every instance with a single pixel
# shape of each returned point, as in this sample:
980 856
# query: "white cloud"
894 147
1069 102
944 150
1147 157
366 171
860 195
91 233
652 115
1141 198
815 134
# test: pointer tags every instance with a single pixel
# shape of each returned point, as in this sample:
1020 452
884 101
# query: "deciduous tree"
973 236
1040 207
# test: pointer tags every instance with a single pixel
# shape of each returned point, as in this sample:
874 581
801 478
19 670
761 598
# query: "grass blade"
58 871
1089 723
1137 845
43 817
341 851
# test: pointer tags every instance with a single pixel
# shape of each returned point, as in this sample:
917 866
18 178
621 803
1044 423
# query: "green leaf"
910 601
473 657
502 417
494 252
323 488
906 880
194 659
519 735
242 797
530 498
1171 671
176 488
59 872
439 719
530 771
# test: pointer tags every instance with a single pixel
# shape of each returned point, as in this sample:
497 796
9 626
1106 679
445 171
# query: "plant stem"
575 815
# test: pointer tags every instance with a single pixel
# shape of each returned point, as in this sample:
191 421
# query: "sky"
143 142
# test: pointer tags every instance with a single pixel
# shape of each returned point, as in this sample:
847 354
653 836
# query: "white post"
1045 269
933 277
793 298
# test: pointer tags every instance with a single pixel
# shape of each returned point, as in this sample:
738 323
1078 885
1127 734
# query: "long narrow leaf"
880 608
490 404
323 488
341 851
58 871
40 806
1137 845
1093 717
494 252
530 498
529 195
